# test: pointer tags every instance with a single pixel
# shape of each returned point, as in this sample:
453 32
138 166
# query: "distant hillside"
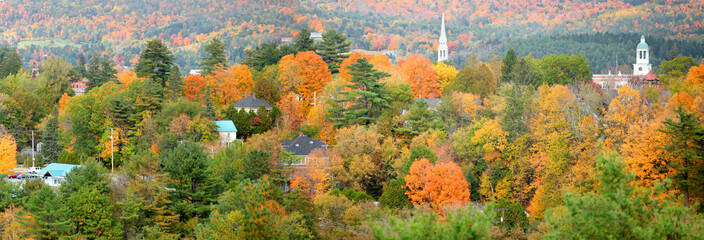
118 28
605 51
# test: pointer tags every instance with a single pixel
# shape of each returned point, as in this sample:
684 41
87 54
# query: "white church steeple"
442 42
642 65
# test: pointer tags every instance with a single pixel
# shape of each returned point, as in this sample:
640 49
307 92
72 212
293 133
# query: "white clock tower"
642 65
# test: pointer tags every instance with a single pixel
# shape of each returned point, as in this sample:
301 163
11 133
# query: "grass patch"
47 43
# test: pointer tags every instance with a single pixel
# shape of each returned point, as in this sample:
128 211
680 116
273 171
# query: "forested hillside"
514 147
70 29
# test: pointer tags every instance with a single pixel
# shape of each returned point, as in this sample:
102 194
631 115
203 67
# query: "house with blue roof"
227 130
55 173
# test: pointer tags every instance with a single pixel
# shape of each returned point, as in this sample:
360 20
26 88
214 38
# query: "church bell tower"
642 65
442 42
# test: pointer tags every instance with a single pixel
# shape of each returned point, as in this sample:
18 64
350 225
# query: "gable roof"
226 126
57 169
251 102
302 145
651 77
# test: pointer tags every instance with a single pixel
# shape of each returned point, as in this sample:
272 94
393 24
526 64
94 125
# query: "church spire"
442 42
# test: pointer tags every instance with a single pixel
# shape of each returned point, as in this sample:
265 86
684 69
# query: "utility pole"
32 150
112 152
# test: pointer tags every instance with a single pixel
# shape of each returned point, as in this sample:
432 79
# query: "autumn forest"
509 139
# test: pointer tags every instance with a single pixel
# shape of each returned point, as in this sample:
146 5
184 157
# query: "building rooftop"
302 145
642 45
226 126
57 170
251 102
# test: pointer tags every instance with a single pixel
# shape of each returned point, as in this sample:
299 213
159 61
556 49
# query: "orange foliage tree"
305 73
313 73
126 78
7 152
229 85
436 185
315 176
292 115
418 72
195 87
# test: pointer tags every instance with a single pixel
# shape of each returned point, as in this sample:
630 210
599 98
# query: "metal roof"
226 126
57 169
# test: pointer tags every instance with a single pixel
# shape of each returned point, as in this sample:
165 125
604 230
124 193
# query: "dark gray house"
302 146
251 104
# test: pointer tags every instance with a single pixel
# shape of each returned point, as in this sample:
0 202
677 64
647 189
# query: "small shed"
55 173
227 130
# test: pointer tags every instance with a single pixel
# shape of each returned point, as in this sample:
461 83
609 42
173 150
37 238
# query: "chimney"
218 118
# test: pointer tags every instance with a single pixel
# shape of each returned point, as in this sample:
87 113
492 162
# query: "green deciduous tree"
54 80
366 100
564 69
91 213
476 80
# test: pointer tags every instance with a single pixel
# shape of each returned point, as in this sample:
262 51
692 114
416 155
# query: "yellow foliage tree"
445 73
8 153
624 110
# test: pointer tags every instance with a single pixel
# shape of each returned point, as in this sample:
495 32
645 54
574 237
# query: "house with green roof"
55 173
227 131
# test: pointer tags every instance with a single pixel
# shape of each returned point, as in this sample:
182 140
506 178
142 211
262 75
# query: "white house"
55 173
227 130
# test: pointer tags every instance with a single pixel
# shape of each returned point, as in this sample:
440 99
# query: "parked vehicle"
14 175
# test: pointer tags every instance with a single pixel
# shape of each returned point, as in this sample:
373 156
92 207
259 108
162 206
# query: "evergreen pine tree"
687 146
673 53
216 49
368 98
333 49
101 70
174 89
508 63
304 43
155 62
50 138
47 215
10 62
